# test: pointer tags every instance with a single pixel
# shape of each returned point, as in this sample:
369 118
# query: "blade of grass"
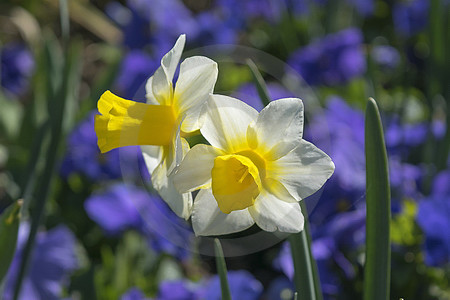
9 228
65 23
306 278
377 269
222 270
259 82
57 103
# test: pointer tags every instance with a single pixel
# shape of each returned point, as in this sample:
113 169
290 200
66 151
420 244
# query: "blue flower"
244 11
441 188
142 20
52 262
339 131
123 207
136 67
386 57
243 286
401 137
433 217
332 60
83 157
17 65
133 294
410 17
178 290
342 233
213 29
249 94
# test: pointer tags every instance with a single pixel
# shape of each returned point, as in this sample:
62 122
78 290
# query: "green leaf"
306 278
222 270
259 82
377 269
9 227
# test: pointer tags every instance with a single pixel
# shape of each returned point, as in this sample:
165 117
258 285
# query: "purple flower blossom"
344 232
133 294
136 68
127 207
178 290
83 157
339 131
214 30
404 177
401 137
17 65
410 17
52 262
332 60
243 11
386 57
243 286
141 20
433 217
249 94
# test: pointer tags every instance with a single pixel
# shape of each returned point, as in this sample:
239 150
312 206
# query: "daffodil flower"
159 125
256 169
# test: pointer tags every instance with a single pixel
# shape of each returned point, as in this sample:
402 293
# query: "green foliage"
378 201
9 227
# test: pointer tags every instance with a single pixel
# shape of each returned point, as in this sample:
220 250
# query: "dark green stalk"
222 270
306 278
377 269
259 82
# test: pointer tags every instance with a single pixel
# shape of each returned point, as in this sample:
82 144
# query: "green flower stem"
306 277
259 82
377 269
222 270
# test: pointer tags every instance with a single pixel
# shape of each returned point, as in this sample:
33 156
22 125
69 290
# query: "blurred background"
99 230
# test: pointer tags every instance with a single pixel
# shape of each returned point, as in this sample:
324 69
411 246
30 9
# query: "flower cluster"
256 168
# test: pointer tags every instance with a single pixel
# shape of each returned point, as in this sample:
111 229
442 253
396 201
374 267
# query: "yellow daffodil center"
236 180
127 123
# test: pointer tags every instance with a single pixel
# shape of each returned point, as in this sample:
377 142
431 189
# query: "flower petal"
181 204
272 214
225 121
207 219
160 86
195 169
197 78
152 156
302 171
279 127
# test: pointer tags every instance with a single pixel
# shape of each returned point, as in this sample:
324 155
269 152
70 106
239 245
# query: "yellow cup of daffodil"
159 125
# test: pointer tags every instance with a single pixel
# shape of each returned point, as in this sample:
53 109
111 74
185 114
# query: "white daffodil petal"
170 61
149 92
302 171
225 121
152 156
207 219
279 127
160 87
198 75
271 214
195 169
181 204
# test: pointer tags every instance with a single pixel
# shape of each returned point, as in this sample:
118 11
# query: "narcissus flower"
159 125
256 170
